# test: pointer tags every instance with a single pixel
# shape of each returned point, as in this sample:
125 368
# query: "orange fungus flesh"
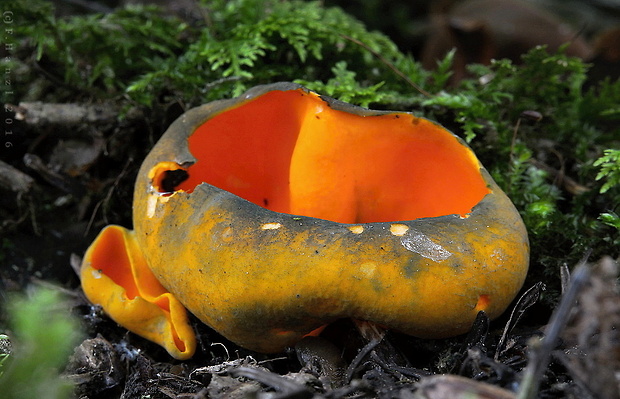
115 275
111 259
290 152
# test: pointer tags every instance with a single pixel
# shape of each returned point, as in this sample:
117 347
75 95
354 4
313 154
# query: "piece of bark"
14 180
457 387
39 113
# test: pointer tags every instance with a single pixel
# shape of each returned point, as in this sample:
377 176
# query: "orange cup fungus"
275 213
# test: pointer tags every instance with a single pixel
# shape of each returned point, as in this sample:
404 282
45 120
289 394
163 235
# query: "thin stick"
541 350
386 62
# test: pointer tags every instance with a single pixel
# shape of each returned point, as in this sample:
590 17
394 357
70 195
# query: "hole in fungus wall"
170 179
288 151
167 176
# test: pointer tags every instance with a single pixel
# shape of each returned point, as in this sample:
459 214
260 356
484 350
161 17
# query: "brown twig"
107 197
570 185
387 63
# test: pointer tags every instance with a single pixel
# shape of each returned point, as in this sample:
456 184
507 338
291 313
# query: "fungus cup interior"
291 152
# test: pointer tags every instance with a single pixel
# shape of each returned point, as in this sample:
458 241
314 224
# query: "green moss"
345 87
43 334
97 54
610 169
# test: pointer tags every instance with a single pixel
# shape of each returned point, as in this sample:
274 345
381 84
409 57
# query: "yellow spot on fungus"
227 234
152 202
357 229
368 269
399 229
150 206
271 226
